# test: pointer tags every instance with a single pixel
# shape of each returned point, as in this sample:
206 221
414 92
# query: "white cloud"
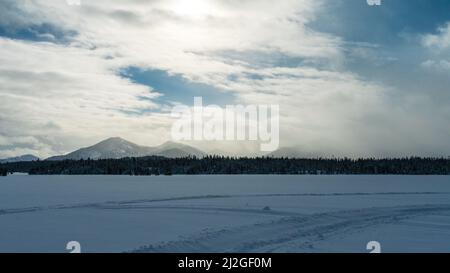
69 94
439 46
54 90
440 66
440 41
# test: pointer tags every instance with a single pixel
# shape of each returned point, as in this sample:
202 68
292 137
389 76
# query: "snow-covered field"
225 213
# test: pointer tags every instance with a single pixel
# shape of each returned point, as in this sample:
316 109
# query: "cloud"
66 90
439 46
440 66
440 41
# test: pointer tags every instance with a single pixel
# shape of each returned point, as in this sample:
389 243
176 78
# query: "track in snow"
141 203
293 234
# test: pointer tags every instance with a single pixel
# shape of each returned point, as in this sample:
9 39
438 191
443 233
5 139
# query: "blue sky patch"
355 20
175 88
38 33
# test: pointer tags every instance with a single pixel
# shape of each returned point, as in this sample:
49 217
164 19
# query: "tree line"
3 172
232 165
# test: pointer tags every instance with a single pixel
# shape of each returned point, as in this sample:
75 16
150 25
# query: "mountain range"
116 147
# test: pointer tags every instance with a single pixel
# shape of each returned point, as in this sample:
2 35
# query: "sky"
350 79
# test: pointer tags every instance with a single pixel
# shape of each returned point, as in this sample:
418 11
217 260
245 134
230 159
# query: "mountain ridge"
22 158
116 148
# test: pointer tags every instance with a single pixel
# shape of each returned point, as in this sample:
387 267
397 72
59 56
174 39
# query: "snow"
117 147
225 213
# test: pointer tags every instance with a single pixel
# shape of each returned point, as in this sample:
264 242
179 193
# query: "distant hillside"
23 158
116 148
176 150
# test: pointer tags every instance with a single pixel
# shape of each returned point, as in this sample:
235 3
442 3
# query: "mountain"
23 158
111 148
173 150
115 148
